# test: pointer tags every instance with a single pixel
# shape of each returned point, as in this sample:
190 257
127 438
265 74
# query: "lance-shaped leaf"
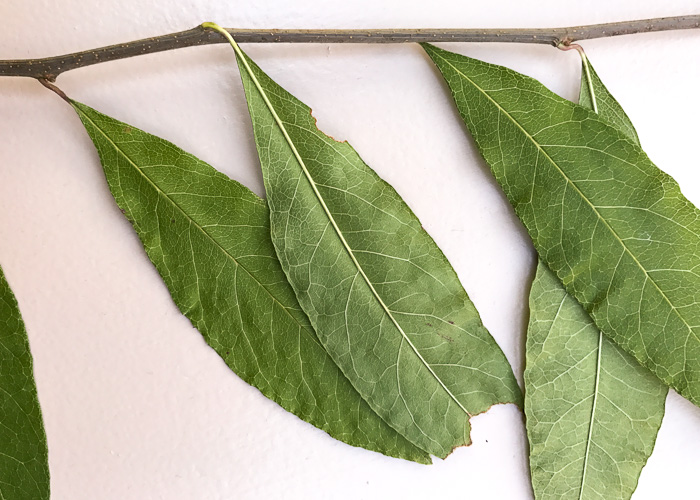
592 411
24 467
384 300
614 228
209 238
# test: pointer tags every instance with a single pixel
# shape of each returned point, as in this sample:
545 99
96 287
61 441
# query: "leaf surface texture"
24 467
385 302
614 228
209 238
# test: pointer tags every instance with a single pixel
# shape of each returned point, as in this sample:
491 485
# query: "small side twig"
49 68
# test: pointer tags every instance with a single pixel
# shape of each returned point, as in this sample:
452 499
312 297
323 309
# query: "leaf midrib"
596 387
596 390
337 230
571 182
193 222
589 81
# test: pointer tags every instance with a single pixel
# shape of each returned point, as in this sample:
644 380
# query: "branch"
49 68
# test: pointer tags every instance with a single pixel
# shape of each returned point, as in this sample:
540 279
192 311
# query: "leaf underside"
385 302
209 238
592 412
594 95
614 228
24 467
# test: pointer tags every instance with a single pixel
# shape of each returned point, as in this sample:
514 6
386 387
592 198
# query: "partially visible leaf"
614 228
383 298
209 238
24 466
592 411
594 95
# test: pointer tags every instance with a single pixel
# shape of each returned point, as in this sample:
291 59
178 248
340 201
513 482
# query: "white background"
136 405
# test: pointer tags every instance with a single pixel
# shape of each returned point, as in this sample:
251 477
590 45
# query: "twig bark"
49 68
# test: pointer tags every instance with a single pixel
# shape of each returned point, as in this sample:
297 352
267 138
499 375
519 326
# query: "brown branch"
49 68
55 89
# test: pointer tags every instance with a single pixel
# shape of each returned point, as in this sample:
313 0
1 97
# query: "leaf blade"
596 96
318 191
229 283
592 412
24 467
604 244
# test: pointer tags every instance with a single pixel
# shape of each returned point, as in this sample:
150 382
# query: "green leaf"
594 95
209 238
24 465
614 228
385 302
592 412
